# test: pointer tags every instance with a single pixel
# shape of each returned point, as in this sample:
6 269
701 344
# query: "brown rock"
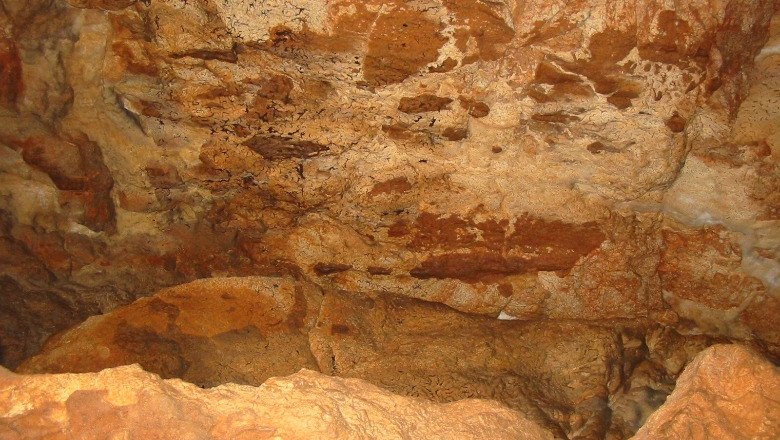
277 87
606 163
423 103
427 350
77 168
490 249
703 280
370 338
245 330
727 392
28 316
238 100
676 123
597 148
330 268
401 44
241 330
280 148
396 184
11 85
477 109
102 4
455 134
129 401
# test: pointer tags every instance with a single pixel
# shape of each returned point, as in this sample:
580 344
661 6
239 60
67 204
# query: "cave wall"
572 160
726 392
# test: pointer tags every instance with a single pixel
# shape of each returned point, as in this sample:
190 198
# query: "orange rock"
727 392
258 325
244 330
580 176
306 405
703 279
401 43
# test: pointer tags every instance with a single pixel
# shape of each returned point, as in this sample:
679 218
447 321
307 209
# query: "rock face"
366 184
576 379
209 332
565 160
129 402
726 392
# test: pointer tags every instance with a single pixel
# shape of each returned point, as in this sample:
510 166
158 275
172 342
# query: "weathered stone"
726 392
245 94
426 350
129 401
423 103
279 148
245 330
10 73
241 330
477 109
102 4
401 43
585 161
702 281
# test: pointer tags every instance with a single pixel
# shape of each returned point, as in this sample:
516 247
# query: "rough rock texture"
381 180
209 332
577 379
547 160
128 402
727 392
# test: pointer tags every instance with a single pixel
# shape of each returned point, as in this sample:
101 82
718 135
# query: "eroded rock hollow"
554 207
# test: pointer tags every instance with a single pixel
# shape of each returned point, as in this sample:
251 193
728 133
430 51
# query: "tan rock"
702 277
604 171
208 332
577 379
602 161
130 402
727 392
427 350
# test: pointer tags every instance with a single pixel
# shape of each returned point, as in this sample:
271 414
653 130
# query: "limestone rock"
727 392
130 402
584 164
208 332
703 282
577 379
460 152
421 349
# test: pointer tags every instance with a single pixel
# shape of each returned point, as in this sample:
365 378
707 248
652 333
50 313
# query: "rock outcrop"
553 204
208 332
576 379
727 392
128 402
545 160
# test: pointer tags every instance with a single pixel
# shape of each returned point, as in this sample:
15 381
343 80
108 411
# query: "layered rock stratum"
128 402
727 392
576 379
553 204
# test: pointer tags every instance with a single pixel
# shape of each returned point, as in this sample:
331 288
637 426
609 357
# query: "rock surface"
373 183
545 160
727 392
128 402
576 379
208 332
